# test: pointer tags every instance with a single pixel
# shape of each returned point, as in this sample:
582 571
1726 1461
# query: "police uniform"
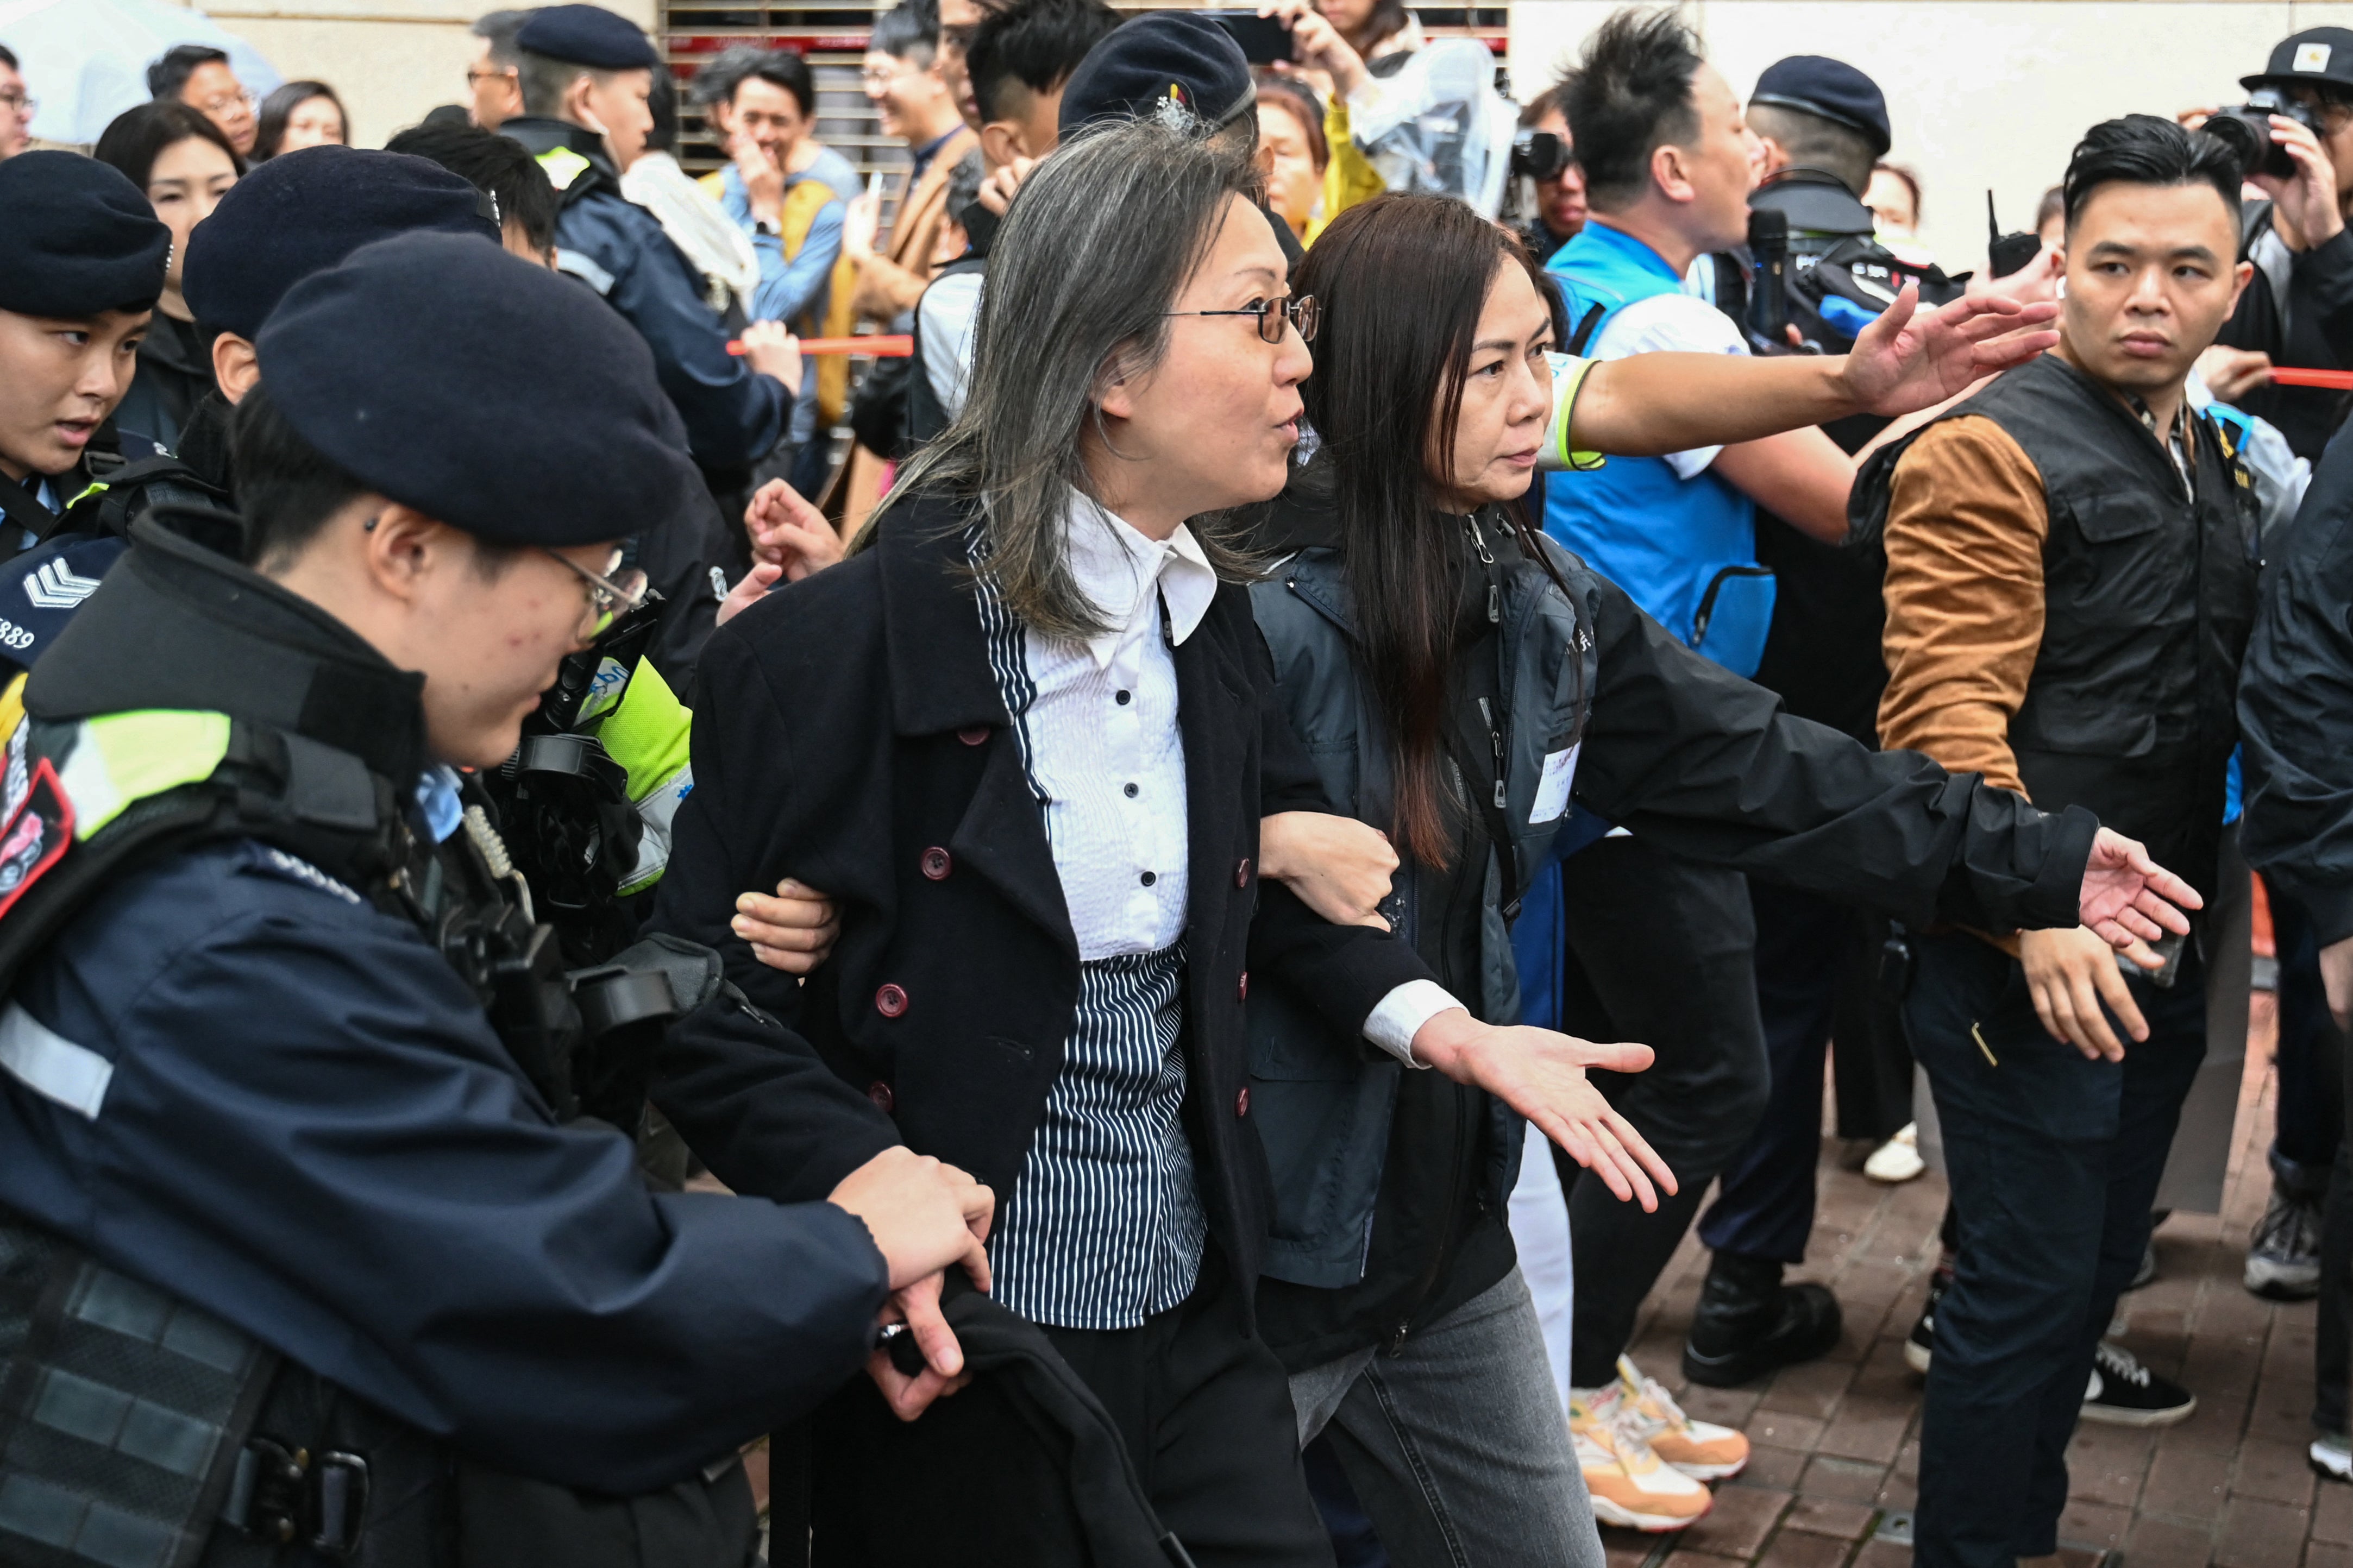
299 1259
82 241
733 415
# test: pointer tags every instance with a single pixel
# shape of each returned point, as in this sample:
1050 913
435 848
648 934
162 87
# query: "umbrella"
86 60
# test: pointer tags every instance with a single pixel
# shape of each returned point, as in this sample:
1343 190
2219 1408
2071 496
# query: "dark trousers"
1660 951
1817 977
2314 1092
1206 1414
2054 1160
2311 1095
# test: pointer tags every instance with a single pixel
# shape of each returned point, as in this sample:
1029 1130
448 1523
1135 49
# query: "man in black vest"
2072 559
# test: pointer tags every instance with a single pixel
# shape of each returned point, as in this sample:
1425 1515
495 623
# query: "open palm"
2126 895
1910 359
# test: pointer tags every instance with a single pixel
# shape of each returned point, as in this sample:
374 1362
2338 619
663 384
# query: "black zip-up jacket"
1687 756
2313 327
2295 708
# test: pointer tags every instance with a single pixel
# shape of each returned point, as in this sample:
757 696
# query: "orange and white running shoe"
1700 1449
1630 1484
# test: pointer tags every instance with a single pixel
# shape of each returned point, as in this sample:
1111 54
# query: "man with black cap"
298 1230
2298 312
79 276
585 77
2300 309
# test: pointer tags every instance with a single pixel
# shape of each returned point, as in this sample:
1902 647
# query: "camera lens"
2245 133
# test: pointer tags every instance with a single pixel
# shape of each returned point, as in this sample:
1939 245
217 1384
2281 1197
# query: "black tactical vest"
2149 595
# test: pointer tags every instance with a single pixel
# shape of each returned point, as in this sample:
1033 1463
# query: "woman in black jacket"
1473 689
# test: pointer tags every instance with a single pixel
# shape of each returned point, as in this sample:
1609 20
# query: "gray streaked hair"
1093 252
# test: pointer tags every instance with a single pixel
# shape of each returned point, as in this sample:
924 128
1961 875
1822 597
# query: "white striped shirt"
1104 1225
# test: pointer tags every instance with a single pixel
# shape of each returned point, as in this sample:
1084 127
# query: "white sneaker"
1700 1449
1630 1485
2332 1454
1898 1159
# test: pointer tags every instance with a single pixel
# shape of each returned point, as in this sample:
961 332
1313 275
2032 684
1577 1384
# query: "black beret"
81 239
491 394
586 36
1156 58
2316 54
302 212
1829 90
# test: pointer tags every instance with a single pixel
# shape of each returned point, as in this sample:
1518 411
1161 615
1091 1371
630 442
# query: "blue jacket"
1661 538
304 1124
732 416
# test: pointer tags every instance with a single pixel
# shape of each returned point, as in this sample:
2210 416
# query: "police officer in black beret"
294 215
80 270
314 1243
1824 125
585 77
1171 57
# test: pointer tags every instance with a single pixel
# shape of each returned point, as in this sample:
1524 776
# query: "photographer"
2300 309
1560 195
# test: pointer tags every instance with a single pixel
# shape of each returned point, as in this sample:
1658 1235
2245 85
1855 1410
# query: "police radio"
1768 293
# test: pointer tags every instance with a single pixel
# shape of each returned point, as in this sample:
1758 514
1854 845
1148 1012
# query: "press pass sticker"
1552 788
2311 57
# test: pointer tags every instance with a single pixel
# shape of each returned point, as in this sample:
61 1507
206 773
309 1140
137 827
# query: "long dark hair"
279 107
1402 280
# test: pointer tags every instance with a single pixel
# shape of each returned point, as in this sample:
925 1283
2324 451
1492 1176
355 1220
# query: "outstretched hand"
2127 896
1541 1075
1909 359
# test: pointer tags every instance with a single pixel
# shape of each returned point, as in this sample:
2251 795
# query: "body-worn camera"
1538 154
2246 129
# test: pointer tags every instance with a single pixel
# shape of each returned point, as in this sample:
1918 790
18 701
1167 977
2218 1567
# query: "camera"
1538 154
2246 129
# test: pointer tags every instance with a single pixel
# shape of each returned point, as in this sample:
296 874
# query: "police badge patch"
37 832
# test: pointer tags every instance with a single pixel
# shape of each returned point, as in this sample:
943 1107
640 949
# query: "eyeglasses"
221 103
18 103
876 77
1301 314
612 591
473 76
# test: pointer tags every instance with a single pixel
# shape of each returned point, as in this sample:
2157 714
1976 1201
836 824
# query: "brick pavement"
1837 1449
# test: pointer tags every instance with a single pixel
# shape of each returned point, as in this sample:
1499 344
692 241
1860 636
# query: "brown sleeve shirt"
1965 524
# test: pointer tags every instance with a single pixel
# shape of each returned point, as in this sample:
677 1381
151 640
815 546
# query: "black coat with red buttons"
848 733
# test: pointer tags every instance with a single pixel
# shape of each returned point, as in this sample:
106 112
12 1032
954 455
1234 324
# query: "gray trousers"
1456 1446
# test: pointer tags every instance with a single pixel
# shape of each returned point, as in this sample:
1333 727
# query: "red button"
1241 874
880 1093
936 864
974 736
1241 990
1242 1103
889 1001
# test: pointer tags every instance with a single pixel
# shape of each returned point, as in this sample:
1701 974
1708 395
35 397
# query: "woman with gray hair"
1025 737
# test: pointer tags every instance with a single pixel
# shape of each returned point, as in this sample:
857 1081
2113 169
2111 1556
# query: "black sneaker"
2284 1259
2123 1392
1921 1342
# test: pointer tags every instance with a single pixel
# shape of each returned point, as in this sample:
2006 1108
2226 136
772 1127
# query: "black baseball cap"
2315 55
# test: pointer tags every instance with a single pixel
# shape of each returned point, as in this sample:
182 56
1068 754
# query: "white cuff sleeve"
1401 1014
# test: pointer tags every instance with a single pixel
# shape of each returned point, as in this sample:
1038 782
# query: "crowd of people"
1127 929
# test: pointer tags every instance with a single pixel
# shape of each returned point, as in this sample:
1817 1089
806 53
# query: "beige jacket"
895 278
